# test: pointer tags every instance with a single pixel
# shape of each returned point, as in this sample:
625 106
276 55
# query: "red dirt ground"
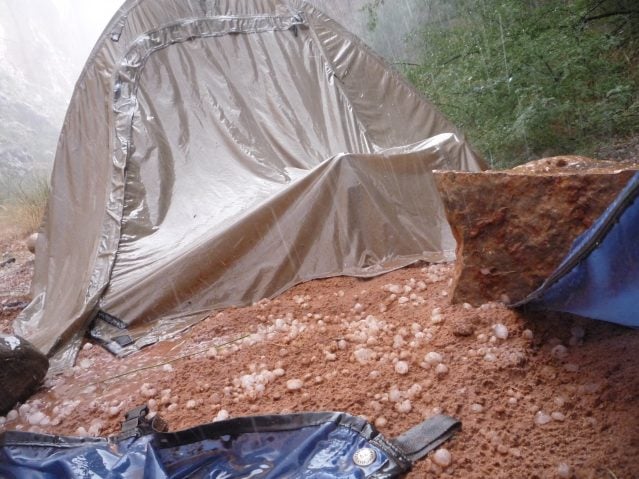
495 386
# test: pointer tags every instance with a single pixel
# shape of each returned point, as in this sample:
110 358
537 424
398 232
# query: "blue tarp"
311 445
599 278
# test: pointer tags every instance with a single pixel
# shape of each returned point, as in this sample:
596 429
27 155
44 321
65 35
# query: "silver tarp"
219 152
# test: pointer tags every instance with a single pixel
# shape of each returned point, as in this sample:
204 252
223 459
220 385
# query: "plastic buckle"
134 422
137 424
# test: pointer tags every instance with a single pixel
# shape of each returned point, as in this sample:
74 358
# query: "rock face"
22 369
514 227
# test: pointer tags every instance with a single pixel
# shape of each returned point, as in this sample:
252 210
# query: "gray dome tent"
218 152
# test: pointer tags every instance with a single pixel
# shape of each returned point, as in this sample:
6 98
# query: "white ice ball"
294 384
442 457
500 331
401 367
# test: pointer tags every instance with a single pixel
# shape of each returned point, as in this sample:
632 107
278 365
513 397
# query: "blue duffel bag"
324 445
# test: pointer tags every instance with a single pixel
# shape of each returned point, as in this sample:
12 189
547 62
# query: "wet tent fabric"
599 278
309 445
219 152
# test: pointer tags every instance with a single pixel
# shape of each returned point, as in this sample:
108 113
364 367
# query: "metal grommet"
364 457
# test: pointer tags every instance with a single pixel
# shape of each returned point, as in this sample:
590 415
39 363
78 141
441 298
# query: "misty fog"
45 43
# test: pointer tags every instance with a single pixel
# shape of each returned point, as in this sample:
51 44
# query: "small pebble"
463 328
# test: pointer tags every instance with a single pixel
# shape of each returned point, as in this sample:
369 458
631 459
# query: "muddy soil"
557 397
16 269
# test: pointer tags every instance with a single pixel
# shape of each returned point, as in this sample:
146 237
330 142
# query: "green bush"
525 79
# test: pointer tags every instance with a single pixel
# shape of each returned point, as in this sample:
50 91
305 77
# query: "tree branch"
408 64
609 14
595 7
460 55
453 58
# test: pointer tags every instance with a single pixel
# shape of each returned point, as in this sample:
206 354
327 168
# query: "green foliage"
371 13
531 78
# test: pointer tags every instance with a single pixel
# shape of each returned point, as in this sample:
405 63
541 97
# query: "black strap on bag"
426 436
407 448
